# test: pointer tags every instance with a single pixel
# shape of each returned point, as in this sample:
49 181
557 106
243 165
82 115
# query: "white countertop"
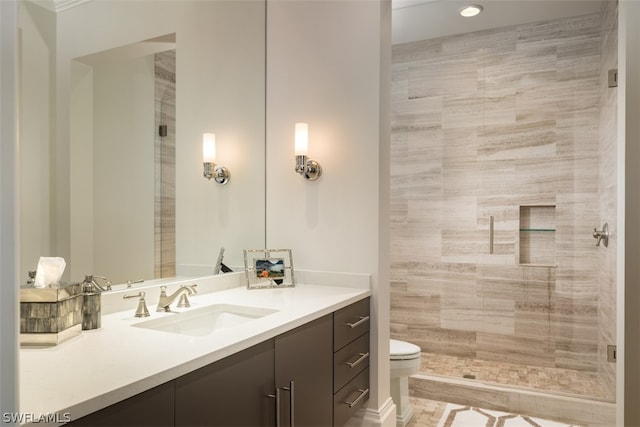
102 367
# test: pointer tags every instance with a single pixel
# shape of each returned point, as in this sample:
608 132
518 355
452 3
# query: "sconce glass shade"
209 148
219 173
309 169
301 139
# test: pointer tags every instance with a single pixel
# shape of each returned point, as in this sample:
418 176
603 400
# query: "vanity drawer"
350 322
348 400
349 361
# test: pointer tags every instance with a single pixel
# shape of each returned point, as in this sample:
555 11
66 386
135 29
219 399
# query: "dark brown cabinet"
317 373
241 390
304 374
152 408
351 360
231 392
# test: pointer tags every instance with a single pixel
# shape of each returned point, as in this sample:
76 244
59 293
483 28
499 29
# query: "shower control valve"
602 235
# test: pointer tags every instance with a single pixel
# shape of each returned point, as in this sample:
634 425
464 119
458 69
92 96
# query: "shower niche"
537 235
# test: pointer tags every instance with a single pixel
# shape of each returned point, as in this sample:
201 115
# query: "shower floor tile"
558 380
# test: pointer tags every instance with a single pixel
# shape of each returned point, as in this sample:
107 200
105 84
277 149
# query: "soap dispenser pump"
91 304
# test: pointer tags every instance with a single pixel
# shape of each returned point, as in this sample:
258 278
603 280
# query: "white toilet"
404 361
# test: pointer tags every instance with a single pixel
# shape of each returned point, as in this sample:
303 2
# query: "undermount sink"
203 321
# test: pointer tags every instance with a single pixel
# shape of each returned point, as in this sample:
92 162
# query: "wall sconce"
219 173
310 169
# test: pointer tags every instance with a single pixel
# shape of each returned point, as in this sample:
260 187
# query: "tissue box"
49 316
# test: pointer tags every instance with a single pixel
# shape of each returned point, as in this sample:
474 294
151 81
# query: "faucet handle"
191 288
183 301
142 310
130 282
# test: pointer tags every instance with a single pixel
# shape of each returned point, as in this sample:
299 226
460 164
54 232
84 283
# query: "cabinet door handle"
277 397
290 389
362 320
363 357
357 400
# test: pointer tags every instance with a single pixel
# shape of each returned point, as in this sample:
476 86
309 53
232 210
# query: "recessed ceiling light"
470 10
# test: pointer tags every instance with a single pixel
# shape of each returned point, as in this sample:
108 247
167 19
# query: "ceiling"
58 5
426 19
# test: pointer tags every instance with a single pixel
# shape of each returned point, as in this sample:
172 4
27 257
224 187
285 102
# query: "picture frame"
268 268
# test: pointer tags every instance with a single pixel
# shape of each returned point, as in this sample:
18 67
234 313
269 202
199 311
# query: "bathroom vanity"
307 359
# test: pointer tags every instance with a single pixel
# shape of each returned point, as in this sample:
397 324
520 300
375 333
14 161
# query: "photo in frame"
268 268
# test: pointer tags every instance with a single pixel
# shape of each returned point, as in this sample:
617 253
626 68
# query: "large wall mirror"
114 99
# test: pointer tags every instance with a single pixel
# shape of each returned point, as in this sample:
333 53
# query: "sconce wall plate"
219 173
308 168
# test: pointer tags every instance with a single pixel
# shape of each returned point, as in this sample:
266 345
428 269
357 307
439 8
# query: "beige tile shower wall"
484 123
607 191
165 166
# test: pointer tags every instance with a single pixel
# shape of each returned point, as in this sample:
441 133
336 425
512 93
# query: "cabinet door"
151 408
231 392
304 363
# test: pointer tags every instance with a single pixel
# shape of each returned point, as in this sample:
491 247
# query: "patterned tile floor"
585 384
426 413
430 413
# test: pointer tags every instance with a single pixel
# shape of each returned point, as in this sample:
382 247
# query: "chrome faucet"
142 310
90 281
165 300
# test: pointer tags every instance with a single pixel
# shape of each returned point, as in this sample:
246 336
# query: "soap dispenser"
31 280
91 304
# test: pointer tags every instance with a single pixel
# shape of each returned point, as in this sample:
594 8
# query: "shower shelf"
537 235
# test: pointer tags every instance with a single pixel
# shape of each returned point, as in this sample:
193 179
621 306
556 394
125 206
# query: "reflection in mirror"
123 100
111 150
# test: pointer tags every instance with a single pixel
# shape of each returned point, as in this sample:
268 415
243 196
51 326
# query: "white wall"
112 168
81 174
37 60
123 169
328 65
220 88
9 220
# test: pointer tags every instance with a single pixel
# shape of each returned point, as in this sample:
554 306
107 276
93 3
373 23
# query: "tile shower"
503 162
165 164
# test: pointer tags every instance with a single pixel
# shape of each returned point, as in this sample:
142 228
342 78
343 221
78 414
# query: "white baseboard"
385 416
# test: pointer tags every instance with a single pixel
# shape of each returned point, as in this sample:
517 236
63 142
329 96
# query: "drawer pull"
363 394
363 357
362 320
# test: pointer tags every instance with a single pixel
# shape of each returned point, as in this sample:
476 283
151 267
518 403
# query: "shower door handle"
491 234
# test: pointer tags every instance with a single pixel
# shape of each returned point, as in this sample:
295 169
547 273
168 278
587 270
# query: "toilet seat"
402 350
